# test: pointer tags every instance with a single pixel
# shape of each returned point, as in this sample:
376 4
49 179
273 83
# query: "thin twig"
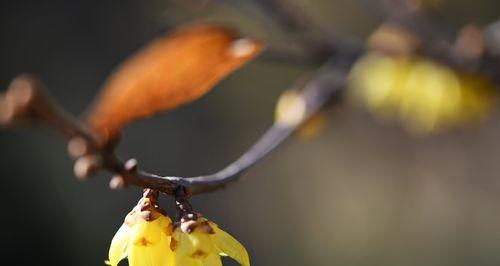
323 86
317 43
27 100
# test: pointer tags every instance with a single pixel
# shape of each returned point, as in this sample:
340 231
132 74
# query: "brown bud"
205 227
131 165
87 165
151 194
470 42
169 229
117 182
188 227
173 244
78 147
16 102
393 40
145 205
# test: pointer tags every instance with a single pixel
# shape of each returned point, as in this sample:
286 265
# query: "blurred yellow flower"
425 95
144 237
201 243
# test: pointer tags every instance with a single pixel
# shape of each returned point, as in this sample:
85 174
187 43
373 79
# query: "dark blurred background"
360 194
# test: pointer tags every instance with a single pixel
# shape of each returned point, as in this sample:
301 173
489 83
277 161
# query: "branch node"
78 147
87 165
131 165
16 103
152 194
117 182
188 226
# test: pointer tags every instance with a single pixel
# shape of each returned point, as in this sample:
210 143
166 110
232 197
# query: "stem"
321 88
325 84
27 101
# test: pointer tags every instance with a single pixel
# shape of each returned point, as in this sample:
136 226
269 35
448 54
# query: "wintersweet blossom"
425 95
144 237
149 238
202 242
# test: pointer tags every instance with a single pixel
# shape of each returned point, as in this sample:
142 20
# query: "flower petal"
119 244
212 260
151 254
193 243
149 231
181 260
229 246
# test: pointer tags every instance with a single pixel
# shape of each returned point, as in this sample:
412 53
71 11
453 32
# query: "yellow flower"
144 237
425 95
201 243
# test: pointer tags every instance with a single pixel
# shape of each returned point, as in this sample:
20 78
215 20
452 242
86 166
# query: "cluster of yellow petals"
148 238
426 96
204 246
144 237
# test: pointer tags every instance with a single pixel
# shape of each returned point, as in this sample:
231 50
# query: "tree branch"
318 43
84 144
27 101
324 85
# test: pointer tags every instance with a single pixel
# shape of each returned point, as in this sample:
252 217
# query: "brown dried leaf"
169 72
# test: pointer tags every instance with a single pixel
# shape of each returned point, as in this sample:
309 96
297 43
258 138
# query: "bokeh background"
362 193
